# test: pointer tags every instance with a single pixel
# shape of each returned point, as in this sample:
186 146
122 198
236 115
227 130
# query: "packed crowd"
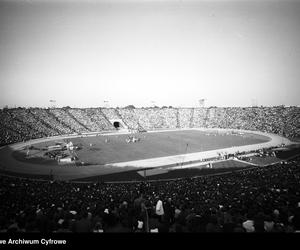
99 118
185 117
24 124
265 199
48 119
69 120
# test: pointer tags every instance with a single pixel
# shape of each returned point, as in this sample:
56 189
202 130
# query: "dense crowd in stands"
23 124
265 199
50 120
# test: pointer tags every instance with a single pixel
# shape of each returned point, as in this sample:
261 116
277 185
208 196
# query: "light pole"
53 105
254 102
201 103
106 104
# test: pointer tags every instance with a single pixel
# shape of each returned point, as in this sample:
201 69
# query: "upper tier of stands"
21 124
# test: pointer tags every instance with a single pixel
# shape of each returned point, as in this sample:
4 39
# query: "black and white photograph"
148 116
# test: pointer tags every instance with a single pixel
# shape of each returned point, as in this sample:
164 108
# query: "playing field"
110 158
159 144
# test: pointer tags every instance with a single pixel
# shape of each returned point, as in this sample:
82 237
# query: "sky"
149 52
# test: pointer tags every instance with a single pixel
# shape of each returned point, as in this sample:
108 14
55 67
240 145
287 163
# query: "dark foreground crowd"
265 199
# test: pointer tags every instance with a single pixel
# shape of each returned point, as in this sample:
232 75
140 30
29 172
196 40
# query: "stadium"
148 116
143 150
170 145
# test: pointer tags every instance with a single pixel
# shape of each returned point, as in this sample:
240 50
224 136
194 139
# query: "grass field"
99 156
156 145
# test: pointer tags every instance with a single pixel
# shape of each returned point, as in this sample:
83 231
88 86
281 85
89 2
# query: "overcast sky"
82 53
